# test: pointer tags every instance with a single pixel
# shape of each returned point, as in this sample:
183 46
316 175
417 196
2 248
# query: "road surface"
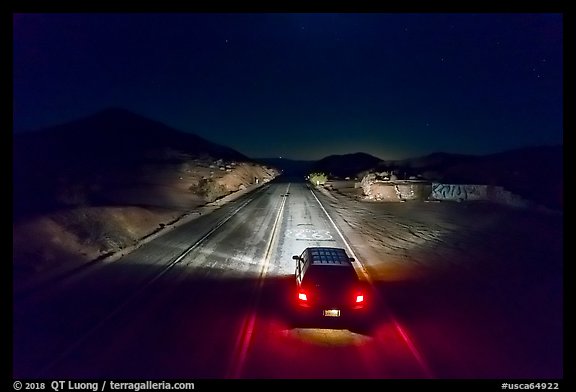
211 299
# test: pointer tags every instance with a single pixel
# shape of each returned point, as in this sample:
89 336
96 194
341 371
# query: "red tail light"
359 298
302 296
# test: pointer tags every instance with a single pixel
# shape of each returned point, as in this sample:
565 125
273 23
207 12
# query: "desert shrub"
318 178
210 190
91 227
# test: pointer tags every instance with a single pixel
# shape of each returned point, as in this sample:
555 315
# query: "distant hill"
110 135
347 165
100 145
437 160
289 167
535 173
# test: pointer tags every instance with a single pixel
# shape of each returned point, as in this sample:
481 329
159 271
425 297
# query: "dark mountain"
535 173
111 135
347 165
99 146
437 160
289 167
531 162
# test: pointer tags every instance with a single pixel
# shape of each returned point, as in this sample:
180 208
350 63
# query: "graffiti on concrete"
458 192
386 190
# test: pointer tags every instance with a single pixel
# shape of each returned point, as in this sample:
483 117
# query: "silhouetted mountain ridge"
87 151
534 172
436 160
346 165
113 135
289 167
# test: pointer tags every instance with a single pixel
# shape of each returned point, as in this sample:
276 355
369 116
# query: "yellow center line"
245 334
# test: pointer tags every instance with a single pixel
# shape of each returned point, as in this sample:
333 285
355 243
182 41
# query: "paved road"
211 299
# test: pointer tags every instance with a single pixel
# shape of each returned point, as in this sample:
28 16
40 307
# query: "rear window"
330 275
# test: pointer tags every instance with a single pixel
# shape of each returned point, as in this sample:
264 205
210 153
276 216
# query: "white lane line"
245 334
401 330
348 247
136 294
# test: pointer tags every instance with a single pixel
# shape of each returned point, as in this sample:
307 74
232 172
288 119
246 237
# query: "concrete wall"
381 190
395 191
467 192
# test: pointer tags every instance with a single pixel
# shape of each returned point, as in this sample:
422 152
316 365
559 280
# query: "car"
328 286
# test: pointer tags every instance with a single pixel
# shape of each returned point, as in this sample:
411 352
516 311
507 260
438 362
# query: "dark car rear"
327 285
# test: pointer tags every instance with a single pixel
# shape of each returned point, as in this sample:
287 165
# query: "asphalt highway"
212 299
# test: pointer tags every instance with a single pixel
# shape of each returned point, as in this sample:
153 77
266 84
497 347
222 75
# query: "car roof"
328 256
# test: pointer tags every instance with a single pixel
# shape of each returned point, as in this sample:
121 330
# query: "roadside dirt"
138 209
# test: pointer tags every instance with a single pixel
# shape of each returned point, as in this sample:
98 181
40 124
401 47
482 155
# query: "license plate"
332 313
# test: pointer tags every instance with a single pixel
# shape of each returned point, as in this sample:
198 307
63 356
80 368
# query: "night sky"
302 85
